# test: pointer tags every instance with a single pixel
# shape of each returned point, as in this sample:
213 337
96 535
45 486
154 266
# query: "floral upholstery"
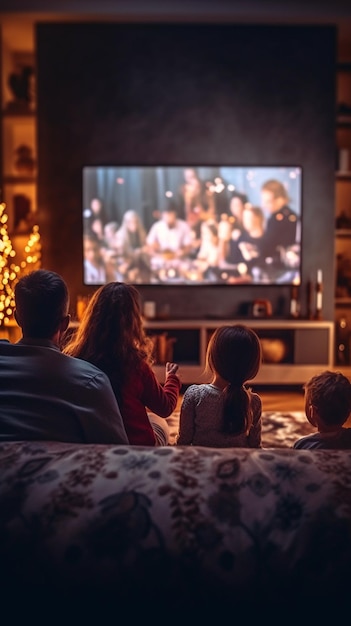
223 523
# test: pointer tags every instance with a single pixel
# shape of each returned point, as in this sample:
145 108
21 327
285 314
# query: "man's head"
42 302
169 214
273 196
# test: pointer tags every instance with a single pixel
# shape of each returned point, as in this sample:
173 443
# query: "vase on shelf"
24 160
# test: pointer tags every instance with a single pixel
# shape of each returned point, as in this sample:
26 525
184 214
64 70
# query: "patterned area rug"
279 430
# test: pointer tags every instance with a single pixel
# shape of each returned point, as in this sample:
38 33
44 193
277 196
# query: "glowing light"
11 272
242 268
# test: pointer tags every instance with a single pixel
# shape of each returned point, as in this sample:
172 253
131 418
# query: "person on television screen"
94 218
237 205
197 200
170 235
231 224
209 251
94 266
131 235
247 248
207 258
110 233
131 249
281 227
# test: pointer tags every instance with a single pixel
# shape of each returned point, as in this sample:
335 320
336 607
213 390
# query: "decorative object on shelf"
82 302
343 221
21 82
343 276
261 308
149 309
343 341
319 295
344 110
294 302
24 217
10 271
24 160
274 350
163 347
309 297
344 160
164 312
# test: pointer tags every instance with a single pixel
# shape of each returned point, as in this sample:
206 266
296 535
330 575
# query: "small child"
225 413
327 407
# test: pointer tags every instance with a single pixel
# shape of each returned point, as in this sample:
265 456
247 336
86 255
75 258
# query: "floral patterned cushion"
223 523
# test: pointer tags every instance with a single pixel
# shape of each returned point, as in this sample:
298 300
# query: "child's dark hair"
235 353
330 393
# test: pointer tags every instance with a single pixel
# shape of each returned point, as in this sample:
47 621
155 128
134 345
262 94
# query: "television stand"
303 348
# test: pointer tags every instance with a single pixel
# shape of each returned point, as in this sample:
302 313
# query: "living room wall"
145 94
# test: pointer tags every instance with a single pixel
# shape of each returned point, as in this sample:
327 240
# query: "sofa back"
224 524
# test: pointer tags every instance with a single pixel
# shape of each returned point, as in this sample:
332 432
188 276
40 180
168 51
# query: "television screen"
192 225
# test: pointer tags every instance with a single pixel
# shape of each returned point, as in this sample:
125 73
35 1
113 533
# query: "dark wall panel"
186 94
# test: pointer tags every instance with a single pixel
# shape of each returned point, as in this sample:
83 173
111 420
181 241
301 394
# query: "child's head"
234 353
237 204
328 399
253 218
111 333
116 308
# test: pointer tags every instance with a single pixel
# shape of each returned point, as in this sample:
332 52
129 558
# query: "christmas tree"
10 271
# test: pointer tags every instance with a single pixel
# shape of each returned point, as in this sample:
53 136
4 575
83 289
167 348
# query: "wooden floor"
285 400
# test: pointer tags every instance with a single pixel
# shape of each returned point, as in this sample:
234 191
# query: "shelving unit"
18 173
297 340
343 219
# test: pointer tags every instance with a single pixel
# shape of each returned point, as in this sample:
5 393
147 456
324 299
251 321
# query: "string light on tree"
8 269
33 250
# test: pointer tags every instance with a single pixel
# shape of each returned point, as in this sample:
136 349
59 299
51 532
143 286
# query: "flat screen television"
192 225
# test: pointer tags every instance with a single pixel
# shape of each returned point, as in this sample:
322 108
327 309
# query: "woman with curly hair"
111 336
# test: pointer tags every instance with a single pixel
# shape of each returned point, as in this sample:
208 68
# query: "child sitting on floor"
327 407
225 413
